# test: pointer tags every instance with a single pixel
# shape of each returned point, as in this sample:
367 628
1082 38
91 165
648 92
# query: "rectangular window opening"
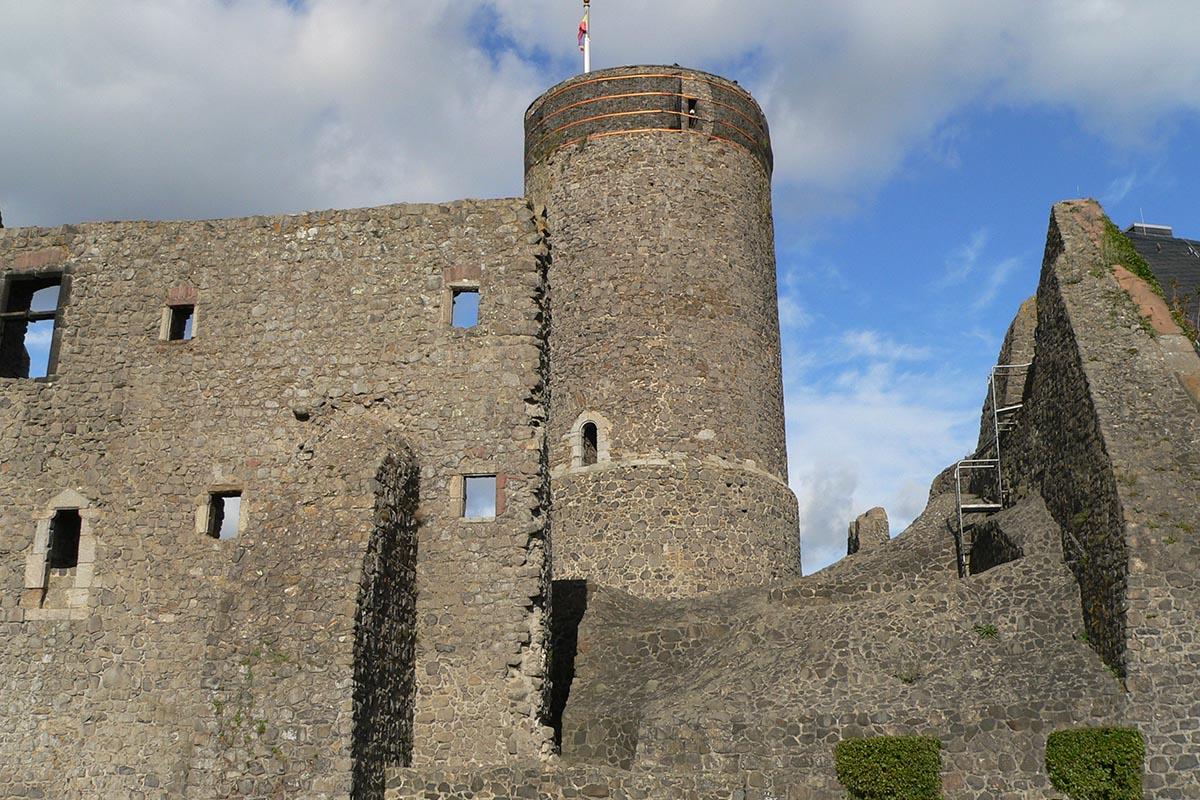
27 322
180 327
479 497
691 112
464 311
224 514
64 539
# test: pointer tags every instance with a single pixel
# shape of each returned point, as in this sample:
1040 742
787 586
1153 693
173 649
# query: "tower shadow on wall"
569 606
385 629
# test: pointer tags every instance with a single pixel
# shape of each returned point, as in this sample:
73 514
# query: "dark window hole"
180 329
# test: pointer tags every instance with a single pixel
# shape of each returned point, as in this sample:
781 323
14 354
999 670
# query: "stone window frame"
603 438
456 280
458 495
36 572
63 277
178 297
204 505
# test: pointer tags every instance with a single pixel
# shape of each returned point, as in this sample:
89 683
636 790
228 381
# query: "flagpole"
587 37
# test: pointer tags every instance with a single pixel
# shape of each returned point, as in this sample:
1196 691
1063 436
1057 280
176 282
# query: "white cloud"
230 107
1120 187
872 437
873 345
968 266
209 108
792 314
993 280
961 264
826 508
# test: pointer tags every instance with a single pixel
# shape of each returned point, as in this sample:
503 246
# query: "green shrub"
890 767
1096 763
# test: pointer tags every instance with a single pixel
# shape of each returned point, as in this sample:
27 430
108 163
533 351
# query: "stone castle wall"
1110 436
172 664
363 636
673 528
1060 449
1093 558
656 183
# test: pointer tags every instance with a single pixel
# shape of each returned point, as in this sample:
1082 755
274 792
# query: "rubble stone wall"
386 631
656 184
1110 436
537 782
674 529
1060 449
322 348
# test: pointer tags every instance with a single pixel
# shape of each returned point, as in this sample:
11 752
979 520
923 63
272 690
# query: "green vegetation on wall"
890 767
1096 763
1118 248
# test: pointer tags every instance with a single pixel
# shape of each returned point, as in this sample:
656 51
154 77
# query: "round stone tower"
667 447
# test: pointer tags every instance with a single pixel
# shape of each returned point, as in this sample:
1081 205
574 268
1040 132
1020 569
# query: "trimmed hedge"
1096 763
890 767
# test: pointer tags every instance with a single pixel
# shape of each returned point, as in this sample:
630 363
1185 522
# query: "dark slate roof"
1175 262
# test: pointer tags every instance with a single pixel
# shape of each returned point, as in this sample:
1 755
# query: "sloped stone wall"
1060 450
1110 436
757 686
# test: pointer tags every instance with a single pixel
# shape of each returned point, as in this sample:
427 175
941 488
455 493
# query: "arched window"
590 442
589 439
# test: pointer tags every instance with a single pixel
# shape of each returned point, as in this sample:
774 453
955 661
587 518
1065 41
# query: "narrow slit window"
224 513
179 328
590 443
64 539
464 311
479 496
691 112
27 326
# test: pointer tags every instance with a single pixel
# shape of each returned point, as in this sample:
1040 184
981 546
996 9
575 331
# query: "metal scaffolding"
985 483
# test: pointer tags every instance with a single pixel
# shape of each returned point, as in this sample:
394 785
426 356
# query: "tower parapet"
667 444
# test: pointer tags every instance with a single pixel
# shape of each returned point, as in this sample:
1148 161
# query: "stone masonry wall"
386 631
664 297
1110 436
186 666
674 529
1059 451
757 686
537 782
665 332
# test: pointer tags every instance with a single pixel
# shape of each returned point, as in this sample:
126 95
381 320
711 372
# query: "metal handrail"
985 463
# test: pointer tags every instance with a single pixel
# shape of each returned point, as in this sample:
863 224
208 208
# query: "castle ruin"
487 499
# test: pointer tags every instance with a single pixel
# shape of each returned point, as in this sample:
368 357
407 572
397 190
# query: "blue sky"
918 147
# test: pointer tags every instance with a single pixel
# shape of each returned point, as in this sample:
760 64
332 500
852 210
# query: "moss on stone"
1118 248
